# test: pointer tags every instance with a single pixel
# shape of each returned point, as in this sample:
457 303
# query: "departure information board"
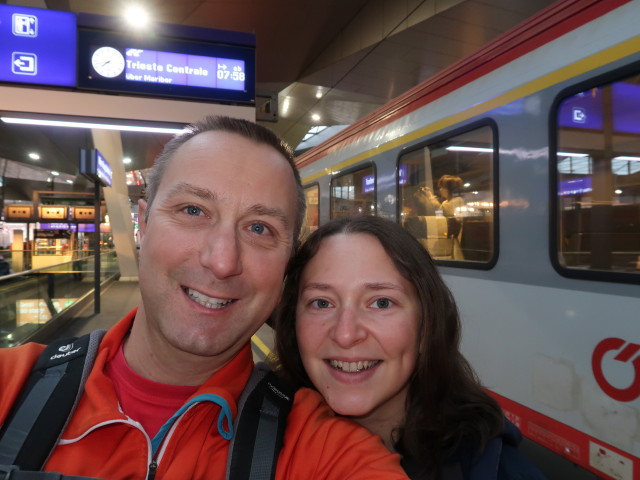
114 62
92 52
37 46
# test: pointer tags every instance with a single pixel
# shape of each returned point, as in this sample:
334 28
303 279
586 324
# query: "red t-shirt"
145 401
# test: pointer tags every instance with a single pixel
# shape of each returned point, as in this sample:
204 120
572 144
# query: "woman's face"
357 328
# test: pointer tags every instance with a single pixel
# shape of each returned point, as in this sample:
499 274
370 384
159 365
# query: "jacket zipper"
153 466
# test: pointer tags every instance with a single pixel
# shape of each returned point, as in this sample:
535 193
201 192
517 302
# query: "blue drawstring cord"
225 414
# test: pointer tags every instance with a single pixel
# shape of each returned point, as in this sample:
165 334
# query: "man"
223 211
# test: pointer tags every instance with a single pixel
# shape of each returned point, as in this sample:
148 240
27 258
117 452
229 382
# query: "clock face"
108 62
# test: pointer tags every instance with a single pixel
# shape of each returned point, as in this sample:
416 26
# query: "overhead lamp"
54 173
126 160
104 126
136 16
315 117
34 156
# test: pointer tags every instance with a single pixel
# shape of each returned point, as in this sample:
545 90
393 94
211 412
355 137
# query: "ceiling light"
54 173
136 16
315 117
69 181
34 156
104 126
126 160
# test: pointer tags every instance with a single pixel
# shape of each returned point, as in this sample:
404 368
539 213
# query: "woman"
447 186
367 321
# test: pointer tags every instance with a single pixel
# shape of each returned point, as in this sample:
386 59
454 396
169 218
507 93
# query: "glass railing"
31 299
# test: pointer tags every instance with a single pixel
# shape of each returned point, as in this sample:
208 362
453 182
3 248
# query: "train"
538 232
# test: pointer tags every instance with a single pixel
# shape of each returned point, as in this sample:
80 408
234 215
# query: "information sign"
94 166
37 46
113 61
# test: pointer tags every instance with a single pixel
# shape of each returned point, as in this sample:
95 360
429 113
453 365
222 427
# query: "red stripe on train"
590 453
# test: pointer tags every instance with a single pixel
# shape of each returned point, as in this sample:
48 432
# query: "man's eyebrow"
263 210
199 192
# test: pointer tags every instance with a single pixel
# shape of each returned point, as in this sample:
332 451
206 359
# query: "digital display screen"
368 184
575 186
37 46
114 61
182 69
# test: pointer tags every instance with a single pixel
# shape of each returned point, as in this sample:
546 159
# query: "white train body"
542 340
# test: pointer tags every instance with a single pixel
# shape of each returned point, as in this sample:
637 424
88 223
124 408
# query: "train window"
353 193
446 192
598 180
311 194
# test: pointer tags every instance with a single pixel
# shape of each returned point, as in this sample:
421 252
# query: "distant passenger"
448 186
424 201
367 321
222 216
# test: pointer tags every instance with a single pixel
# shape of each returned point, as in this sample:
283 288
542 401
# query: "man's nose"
221 251
348 329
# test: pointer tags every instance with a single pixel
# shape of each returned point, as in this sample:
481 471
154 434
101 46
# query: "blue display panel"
37 46
114 61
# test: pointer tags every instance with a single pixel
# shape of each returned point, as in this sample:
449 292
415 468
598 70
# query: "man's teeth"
205 301
353 366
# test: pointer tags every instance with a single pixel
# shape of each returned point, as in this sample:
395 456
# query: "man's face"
215 245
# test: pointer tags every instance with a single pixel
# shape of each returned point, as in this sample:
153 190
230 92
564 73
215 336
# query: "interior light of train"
104 126
567 154
41 46
454 148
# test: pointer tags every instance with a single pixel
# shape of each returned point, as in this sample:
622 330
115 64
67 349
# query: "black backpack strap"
13 473
259 427
46 403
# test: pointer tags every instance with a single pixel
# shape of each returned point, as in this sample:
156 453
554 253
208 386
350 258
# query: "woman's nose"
348 329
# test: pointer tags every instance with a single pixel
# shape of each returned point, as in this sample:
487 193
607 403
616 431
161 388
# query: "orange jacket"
100 441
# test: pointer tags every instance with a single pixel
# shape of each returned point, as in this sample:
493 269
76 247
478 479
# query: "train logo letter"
625 355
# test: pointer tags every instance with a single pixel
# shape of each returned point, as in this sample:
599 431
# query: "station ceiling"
338 59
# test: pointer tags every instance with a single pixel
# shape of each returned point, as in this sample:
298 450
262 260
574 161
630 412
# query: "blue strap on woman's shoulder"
225 417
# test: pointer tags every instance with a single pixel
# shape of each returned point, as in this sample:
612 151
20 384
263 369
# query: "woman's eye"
258 228
192 210
382 303
321 303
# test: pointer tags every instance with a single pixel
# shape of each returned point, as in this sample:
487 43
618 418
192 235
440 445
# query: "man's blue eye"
191 210
258 228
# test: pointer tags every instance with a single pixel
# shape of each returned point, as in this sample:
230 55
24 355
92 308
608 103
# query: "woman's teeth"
205 301
353 366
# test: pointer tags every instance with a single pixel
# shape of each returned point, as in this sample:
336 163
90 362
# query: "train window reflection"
598 200
353 193
447 194
312 215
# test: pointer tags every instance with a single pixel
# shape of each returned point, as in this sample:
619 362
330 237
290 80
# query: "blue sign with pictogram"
37 46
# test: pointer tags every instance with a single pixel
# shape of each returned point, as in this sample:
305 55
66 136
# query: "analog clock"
108 62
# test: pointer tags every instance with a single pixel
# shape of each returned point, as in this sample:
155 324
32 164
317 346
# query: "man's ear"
142 213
